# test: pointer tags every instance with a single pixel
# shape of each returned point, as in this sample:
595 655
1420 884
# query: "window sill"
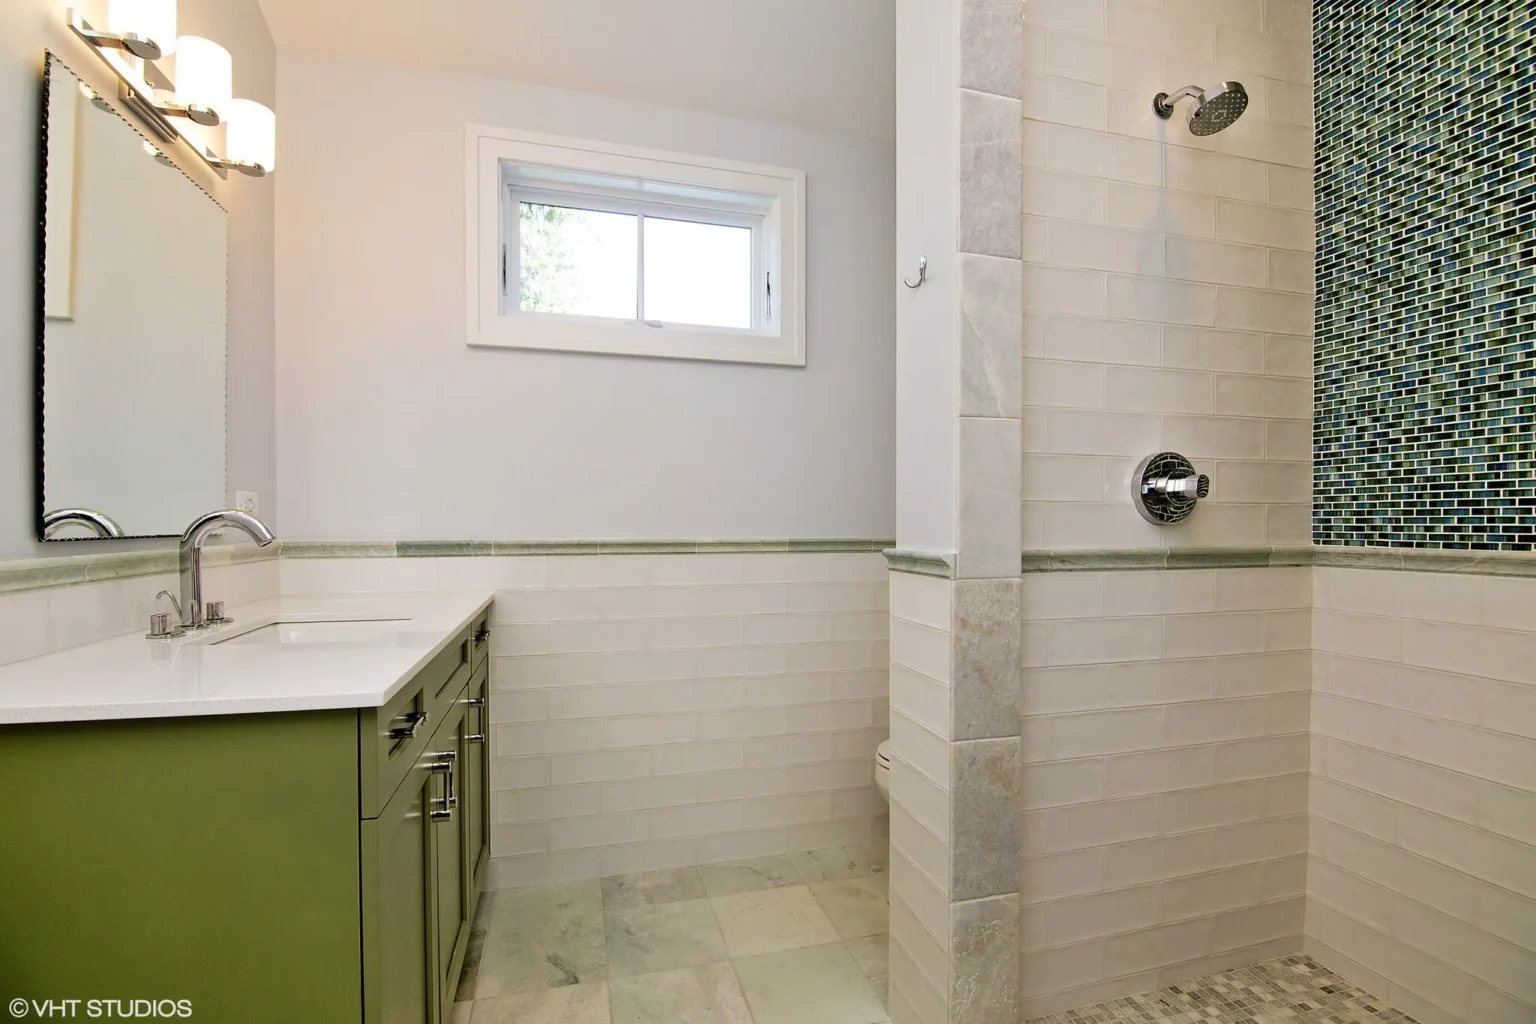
631 338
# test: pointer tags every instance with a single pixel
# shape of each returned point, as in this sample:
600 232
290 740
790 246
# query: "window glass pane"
698 273
577 261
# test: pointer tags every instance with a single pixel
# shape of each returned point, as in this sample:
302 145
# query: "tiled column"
955 624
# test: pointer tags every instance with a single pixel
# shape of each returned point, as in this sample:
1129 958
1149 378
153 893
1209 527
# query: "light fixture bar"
146 49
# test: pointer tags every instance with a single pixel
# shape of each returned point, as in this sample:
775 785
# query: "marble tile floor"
1286 990
797 939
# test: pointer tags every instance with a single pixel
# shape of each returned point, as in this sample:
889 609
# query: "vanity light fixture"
142 32
144 28
204 73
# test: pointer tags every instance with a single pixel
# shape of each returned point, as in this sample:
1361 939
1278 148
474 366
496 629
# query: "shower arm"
1163 102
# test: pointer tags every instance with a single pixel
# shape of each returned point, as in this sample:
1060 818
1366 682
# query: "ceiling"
828 65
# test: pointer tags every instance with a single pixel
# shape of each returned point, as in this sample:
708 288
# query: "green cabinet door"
477 786
399 905
453 910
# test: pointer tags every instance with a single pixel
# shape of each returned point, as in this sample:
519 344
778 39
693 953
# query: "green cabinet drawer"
480 634
394 736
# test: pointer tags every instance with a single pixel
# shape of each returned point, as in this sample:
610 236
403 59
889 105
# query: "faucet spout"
190 556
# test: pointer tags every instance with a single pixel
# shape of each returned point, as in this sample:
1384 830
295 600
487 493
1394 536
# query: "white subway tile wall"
658 711
1183 263
1423 836
920 623
1163 788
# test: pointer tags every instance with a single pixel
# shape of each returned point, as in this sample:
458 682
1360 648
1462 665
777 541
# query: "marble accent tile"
921 563
625 892
338 548
693 995
444 548
991 175
844 862
543 937
577 1004
984 676
1289 990
984 840
857 907
991 336
872 956
984 961
817 985
991 46
663 937
772 920
749 876
989 475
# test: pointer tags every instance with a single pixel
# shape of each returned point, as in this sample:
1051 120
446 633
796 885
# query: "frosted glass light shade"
251 134
204 72
147 19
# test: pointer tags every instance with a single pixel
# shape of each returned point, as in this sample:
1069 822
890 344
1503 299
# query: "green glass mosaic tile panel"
1425 428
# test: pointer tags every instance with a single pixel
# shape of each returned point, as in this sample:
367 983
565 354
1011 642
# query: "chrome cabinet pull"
414 720
478 736
482 636
444 765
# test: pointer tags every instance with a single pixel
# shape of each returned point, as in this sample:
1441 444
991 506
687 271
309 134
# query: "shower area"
1267 750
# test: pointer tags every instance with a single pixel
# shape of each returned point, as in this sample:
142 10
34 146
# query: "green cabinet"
316 866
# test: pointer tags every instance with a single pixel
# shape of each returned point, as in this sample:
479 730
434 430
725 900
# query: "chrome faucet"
99 523
191 557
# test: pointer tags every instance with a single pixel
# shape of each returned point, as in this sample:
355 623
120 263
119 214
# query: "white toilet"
883 769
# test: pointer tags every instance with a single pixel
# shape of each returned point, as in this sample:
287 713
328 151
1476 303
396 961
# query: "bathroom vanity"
280 819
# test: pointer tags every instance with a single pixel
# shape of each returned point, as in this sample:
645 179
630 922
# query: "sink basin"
352 631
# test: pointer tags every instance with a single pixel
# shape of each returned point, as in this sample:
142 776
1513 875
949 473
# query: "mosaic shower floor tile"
1288 990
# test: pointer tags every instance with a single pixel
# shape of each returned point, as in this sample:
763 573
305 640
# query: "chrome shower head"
1213 110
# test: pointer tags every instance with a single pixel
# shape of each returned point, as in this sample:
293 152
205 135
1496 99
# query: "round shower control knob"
1165 487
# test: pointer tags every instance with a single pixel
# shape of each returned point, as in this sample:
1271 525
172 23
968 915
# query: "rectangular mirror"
131 340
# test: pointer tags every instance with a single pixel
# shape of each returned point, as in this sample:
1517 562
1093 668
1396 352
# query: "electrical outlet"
246 502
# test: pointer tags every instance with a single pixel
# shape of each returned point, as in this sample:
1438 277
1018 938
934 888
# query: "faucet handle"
160 627
216 616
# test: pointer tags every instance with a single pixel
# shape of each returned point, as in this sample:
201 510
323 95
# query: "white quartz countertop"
207 674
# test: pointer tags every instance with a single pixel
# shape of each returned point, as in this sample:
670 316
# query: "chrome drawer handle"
414 721
444 765
476 702
482 636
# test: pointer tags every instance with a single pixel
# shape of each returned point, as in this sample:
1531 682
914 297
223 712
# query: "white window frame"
505 166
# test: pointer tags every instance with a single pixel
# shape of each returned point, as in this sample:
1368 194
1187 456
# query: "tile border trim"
921 563
1445 560
64 571
72 570
1040 560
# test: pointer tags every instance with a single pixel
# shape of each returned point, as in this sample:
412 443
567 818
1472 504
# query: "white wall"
927 183
391 427
27 29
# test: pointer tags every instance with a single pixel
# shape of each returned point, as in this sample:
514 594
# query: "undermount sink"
349 631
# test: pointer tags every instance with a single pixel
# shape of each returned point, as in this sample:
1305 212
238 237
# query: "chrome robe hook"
922 274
